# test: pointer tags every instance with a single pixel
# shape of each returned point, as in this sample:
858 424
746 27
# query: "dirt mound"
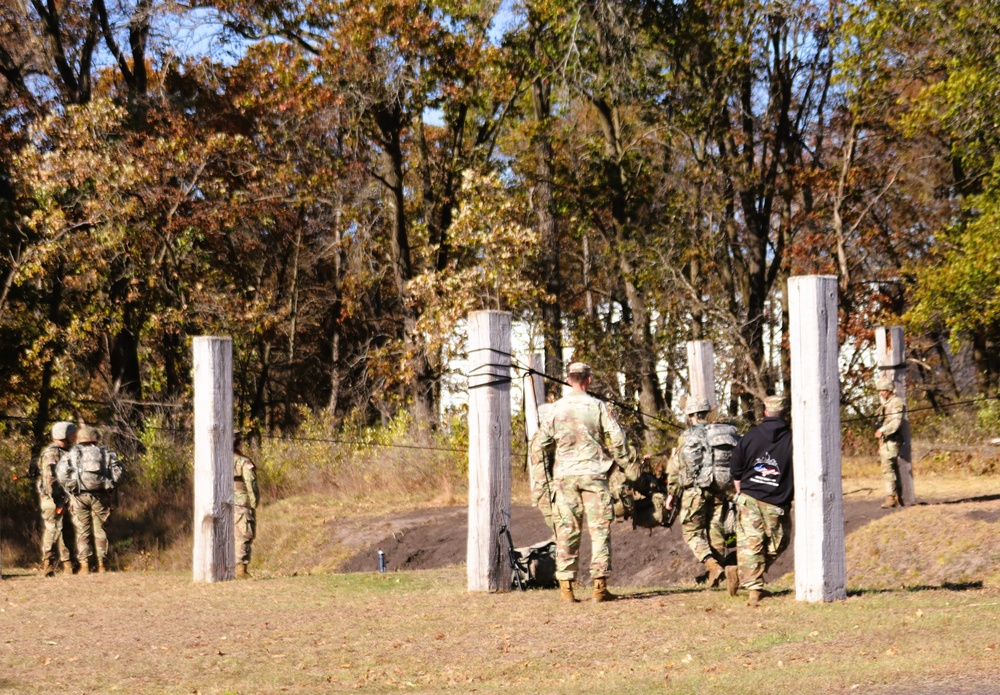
640 557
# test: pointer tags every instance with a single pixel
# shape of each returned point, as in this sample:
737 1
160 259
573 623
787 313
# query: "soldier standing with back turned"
246 496
889 435
578 431
53 500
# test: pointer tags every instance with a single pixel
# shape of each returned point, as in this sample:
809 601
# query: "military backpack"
706 454
89 469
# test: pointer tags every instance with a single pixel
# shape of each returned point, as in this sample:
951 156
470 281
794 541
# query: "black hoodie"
762 462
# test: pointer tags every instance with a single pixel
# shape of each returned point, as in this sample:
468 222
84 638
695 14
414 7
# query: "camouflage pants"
543 500
888 453
53 545
762 533
576 496
90 512
702 515
244 529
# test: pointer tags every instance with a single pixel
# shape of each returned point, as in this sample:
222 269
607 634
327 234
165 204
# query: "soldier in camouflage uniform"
91 506
53 500
541 463
244 506
889 434
761 468
703 508
578 431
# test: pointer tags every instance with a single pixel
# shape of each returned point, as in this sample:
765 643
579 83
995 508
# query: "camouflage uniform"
246 496
577 430
702 510
541 463
54 503
764 531
893 412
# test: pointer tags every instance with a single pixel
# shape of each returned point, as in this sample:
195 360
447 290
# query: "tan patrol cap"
697 405
63 430
885 382
775 404
579 368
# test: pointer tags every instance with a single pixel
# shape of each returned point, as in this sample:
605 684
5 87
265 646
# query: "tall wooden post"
534 394
891 352
214 545
820 554
488 566
701 371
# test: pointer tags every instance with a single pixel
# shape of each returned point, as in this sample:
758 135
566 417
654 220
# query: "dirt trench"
435 538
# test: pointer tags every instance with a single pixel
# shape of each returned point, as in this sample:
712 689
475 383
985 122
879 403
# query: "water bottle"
381 561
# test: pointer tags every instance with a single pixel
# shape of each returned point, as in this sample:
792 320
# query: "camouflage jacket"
893 413
48 484
585 435
541 460
246 493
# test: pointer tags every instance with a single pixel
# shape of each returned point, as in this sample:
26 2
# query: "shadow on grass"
656 593
944 586
966 500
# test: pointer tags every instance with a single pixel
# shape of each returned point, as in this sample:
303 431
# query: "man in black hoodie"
762 472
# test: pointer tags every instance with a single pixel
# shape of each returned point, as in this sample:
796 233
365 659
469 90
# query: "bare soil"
435 538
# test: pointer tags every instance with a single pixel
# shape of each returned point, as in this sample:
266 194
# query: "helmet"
87 435
885 382
697 405
63 430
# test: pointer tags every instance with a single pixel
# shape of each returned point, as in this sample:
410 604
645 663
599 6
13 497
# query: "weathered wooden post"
820 555
534 394
487 564
214 546
891 352
701 371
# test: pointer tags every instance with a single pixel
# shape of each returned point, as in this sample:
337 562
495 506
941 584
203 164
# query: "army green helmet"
885 382
697 405
63 430
87 435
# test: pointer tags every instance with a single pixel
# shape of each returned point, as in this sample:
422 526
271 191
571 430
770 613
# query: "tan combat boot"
241 571
566 591
754 598
891 501
715 572
84 567
101 569
601 592
48 569
732 579
67 567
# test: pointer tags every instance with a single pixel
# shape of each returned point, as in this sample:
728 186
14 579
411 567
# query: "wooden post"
891 352
214 544
701 371
488 566
820 554
534 394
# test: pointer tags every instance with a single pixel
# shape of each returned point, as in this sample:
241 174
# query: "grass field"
921 618
421 631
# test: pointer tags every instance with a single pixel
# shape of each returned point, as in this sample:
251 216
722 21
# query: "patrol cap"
775 404
87 435
581 368
697 405
885 382
63 430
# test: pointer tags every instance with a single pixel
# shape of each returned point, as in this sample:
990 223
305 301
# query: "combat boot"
67 567
754 598
732 579
566 591
601 592
715 572
84 567
48 569
891 501
241 571
101 569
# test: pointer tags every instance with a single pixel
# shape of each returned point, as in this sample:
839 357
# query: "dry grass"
421 631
